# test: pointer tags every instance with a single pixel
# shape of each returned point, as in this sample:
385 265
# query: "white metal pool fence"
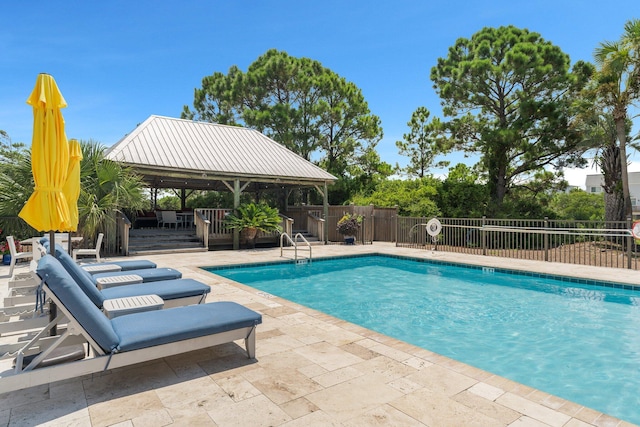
596 243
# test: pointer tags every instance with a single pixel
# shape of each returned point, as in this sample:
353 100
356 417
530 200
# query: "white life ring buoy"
635 230
434 227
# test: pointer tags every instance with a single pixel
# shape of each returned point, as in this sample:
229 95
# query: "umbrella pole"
53 310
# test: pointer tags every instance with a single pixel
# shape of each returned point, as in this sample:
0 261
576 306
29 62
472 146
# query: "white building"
593 184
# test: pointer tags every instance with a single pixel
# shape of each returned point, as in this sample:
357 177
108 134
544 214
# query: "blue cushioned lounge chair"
124 340
115 278
136 264
174 292
100 267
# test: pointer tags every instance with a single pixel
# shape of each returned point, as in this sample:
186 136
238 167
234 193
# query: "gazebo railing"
202 227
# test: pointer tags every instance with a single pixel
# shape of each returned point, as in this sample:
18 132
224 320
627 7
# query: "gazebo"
180 154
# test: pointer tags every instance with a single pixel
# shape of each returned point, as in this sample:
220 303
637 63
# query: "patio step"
313 240
150 241
166 251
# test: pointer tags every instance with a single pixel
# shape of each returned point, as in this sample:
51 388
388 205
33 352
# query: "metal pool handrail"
294 243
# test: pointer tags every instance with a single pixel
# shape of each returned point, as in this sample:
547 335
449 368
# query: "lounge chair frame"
98 360
15 255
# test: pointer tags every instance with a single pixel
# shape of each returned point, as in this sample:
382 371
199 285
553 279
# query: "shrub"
349 224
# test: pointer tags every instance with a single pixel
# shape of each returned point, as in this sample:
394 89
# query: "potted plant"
250 218
6 253
348 226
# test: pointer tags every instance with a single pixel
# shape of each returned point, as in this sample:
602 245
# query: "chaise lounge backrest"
93 321
84 279
145 329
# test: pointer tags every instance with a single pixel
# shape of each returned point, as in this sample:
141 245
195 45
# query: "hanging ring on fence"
635 230
434 227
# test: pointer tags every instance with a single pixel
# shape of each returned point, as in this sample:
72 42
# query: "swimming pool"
576 340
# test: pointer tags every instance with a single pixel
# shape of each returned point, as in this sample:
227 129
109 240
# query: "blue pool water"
577 341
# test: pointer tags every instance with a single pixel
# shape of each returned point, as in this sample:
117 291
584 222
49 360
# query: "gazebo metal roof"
185 154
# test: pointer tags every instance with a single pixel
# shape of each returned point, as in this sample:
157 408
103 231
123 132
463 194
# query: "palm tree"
106 188
16 178
619 86
16 185
595 124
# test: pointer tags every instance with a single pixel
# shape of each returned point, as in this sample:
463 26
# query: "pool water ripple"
580 342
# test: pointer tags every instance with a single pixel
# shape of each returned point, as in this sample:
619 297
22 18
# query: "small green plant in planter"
348 226
250 218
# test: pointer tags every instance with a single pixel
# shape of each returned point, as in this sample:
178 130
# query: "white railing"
202 227
315 226
216 218
216 228
287 224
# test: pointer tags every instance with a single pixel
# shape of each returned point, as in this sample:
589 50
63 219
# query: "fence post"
546 239
372 232
395 225
483 236
629 243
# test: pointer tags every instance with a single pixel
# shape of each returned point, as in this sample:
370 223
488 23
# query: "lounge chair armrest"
101 268
125 279
120 306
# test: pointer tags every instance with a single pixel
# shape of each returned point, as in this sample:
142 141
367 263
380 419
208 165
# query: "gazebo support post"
237 191
236 203
325 206
325 210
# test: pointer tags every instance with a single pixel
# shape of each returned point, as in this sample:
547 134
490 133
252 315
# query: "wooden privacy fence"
378 224
597 243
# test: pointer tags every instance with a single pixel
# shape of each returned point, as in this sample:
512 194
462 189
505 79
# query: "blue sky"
118 62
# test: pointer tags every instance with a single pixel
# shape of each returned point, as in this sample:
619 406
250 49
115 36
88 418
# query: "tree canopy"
578 205
300 104
412 197
423 143
509 94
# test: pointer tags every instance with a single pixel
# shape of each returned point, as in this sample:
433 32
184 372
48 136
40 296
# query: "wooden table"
60 238
185 218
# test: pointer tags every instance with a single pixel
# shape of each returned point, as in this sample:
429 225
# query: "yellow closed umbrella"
47 208
71 187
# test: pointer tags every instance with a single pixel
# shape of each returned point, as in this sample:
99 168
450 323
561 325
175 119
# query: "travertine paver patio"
311 370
